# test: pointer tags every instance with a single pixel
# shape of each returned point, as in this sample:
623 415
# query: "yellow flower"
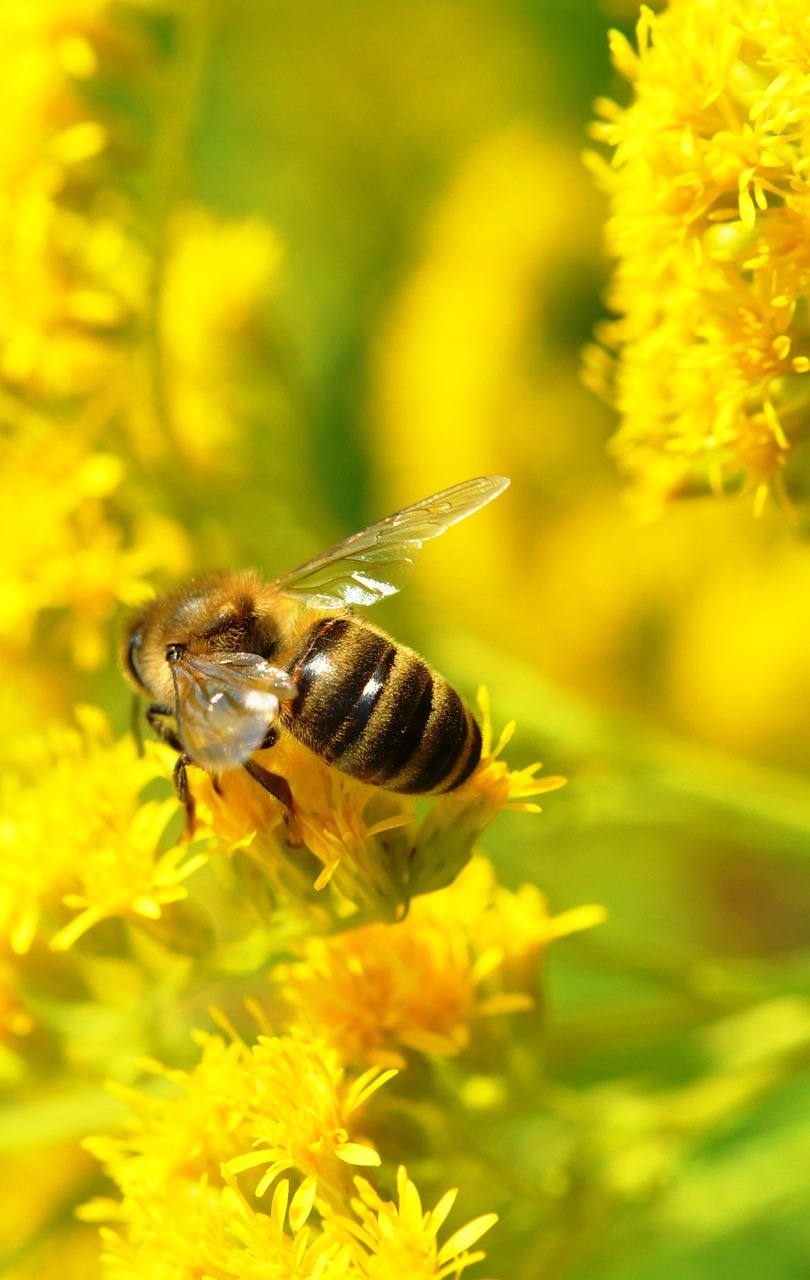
278 1105
281 1104
182 1216
374 851
74 832
400 1240
73 278
97 330
467 952
297 1108
63 548
709 221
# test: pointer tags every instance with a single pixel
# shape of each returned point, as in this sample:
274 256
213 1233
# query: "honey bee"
231 662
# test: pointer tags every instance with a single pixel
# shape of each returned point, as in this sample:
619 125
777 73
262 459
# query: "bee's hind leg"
280 789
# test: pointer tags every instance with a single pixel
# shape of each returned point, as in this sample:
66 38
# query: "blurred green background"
419 167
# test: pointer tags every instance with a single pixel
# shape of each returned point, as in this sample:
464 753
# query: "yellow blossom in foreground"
375 852
281 1104
74 834
190 1208
464 953
400 1240
710 223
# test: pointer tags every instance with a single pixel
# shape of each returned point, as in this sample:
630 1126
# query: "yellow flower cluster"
100 334
287 1119
427 984
374 850
77 844
708 357
192 1205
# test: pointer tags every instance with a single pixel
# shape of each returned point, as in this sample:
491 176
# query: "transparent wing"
225 705
378 562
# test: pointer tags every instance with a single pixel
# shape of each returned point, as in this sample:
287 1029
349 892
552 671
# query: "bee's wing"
225 704
378 562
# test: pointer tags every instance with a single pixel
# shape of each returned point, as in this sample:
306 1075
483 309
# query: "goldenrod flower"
374 851
63 547
297 1108
281 1104
97 330
74 834
278 1105
709 222
401 1240
462 954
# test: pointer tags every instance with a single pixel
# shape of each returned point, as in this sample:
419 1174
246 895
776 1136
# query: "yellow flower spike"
375 853
709 159
297 1111
465 953
281 1100
182 1205
75 831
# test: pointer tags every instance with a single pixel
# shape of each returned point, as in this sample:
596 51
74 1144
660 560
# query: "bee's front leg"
279 788
180 784
156 715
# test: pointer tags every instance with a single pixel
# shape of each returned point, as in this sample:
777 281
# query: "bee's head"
211 614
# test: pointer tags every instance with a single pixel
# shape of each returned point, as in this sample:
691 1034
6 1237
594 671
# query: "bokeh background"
324 260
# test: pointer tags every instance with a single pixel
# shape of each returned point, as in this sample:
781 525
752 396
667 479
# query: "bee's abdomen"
375 710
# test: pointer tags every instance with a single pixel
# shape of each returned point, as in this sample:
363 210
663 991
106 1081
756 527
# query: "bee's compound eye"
133 650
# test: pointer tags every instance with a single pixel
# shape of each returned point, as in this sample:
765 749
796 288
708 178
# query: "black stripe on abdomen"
336 668
357 721
445 738
375 710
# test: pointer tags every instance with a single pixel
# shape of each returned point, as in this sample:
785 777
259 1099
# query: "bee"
231 662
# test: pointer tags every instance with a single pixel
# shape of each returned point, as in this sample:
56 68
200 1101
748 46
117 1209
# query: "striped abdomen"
373 709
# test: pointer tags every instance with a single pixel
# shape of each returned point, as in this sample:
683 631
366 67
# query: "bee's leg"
280 789
180 784
156 715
